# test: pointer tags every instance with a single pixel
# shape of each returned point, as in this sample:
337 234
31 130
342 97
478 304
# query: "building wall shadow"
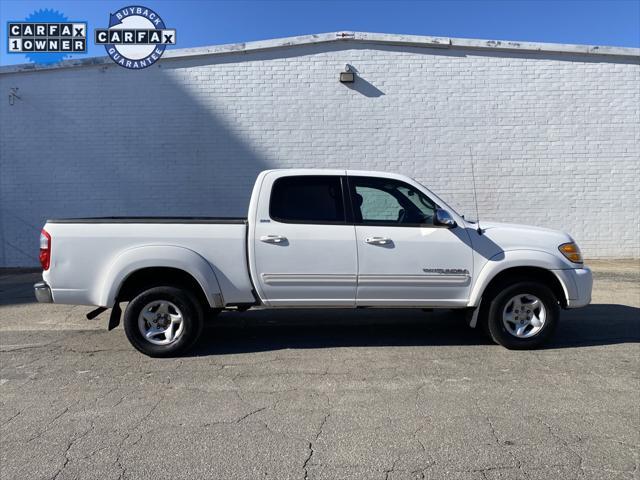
129 144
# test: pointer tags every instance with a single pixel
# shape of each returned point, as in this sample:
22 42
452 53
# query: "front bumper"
43 292
583 281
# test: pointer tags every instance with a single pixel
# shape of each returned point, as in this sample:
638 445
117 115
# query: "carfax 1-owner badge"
47 36
136 38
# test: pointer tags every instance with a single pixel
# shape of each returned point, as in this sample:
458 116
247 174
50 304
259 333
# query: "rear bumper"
583 281
43 292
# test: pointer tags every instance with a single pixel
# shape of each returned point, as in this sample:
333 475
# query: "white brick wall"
556 137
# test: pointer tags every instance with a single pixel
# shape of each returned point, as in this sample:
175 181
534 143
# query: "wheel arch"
546 277
151 265
522 265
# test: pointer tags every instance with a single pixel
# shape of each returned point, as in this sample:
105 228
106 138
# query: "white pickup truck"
314 239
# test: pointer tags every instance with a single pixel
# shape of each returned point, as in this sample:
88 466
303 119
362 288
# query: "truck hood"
499 236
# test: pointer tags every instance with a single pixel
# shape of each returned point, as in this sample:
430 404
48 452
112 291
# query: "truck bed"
221 220
86 252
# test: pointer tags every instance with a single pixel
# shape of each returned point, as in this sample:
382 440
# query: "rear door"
404 259
304 250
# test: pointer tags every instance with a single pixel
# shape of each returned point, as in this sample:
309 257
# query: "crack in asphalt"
118 461
46 427
306 461
565 444
70 445
20 348
250 413
8 421
392 469
310 446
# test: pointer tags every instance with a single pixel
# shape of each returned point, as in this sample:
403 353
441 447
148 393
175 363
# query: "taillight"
45 249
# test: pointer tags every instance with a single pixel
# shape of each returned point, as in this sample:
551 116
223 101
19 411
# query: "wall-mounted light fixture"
347 76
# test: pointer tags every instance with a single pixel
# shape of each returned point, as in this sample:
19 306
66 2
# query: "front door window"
380 201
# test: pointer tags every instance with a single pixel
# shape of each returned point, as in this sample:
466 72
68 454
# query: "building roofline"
357 37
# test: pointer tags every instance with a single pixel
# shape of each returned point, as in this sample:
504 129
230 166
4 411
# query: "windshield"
440 202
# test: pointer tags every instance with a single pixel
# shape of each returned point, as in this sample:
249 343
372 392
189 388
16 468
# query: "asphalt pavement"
333 394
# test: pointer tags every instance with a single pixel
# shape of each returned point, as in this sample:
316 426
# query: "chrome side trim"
307 279
43 293
408 280
411 302
313 303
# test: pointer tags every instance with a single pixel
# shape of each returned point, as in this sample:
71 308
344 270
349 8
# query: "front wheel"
523 315
163 321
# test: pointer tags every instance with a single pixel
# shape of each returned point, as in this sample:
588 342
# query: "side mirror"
444 219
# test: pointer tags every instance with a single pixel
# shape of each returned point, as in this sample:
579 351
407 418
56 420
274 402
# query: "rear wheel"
163 321
523 315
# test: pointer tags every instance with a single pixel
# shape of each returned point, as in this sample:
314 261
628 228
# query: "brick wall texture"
555 137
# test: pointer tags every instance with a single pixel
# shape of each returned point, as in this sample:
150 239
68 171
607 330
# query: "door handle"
273 239
378 240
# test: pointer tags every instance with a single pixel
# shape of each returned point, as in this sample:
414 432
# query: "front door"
304 249
403 258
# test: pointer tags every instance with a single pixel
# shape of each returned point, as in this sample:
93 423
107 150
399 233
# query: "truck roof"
331 171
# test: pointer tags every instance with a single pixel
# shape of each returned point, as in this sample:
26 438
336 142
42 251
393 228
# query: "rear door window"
307 199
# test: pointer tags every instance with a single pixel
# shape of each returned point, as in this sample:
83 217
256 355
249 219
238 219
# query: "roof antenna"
475 194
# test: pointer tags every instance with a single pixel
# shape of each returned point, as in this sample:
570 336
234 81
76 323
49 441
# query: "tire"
171 317
522 315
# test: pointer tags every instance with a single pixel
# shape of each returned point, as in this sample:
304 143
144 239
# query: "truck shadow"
256 331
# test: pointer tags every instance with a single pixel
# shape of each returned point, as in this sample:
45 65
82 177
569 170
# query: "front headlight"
571 251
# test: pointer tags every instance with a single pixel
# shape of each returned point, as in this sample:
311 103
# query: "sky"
203 22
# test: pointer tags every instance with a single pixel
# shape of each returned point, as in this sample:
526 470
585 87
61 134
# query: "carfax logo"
136 38
46 36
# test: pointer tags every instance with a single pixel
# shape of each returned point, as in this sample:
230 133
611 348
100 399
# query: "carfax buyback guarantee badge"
136 38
